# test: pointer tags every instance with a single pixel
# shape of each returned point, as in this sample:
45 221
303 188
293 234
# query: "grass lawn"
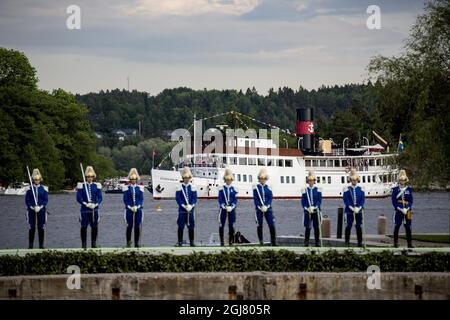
437 238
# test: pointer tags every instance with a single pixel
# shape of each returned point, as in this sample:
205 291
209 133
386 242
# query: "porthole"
201 188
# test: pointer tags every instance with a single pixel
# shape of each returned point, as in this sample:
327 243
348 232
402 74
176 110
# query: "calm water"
431 214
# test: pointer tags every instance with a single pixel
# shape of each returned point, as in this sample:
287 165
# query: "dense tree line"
50 131
175 108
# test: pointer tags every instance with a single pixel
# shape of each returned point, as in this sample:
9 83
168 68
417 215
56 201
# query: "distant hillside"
175 108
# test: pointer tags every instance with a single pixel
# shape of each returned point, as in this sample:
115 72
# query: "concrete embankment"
229 286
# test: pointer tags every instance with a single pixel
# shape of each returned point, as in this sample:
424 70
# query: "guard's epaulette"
269 187
254 186
303 190
319 189
362 188
179 187
142 188
235 189
221 187
125 188
193 188
99 185
80 185
45 188
346 188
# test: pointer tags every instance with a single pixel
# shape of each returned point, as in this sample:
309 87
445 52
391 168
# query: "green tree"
414 95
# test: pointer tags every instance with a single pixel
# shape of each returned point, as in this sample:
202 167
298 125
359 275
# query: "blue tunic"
89 216
133 195
186 194
227 197
311 197
262 195
403 199
353 197
41 193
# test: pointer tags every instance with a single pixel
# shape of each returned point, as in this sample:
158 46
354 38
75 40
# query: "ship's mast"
194 141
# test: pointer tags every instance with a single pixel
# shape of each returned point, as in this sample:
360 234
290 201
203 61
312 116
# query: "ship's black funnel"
305 128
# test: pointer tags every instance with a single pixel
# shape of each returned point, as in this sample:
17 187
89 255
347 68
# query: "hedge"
52 262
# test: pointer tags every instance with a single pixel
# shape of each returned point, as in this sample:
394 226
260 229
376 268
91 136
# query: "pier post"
340 222
326 227
382 224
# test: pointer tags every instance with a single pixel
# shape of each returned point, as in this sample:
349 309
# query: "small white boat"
17 189
115 185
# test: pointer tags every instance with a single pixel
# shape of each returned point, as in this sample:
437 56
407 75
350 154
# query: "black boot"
231 238
230 235
396 236
408 236
180 237
307 234
191 237
94 232
41 235
317 236
347 236
273 236
222 242
129 230
83 233
31 233
359 236
259 230
137 234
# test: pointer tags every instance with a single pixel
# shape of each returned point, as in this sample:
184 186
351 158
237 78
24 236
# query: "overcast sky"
218 44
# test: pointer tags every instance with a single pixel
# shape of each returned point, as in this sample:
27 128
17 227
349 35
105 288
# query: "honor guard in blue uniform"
354 208
262 197
36 200
402 201
227 207
133 198
89 196
186 197
311 202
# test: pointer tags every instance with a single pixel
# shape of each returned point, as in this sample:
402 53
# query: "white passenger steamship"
287 167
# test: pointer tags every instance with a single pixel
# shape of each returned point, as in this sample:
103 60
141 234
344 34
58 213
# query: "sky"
213 44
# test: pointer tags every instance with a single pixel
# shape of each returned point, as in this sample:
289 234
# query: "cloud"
203 43
190 7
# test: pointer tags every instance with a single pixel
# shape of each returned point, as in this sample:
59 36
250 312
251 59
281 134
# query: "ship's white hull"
16 192
165 183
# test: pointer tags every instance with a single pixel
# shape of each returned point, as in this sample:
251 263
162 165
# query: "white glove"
405 210
95 205
36 209
311 209
264 209
351 208
357 209
229 209
188 208
135 209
